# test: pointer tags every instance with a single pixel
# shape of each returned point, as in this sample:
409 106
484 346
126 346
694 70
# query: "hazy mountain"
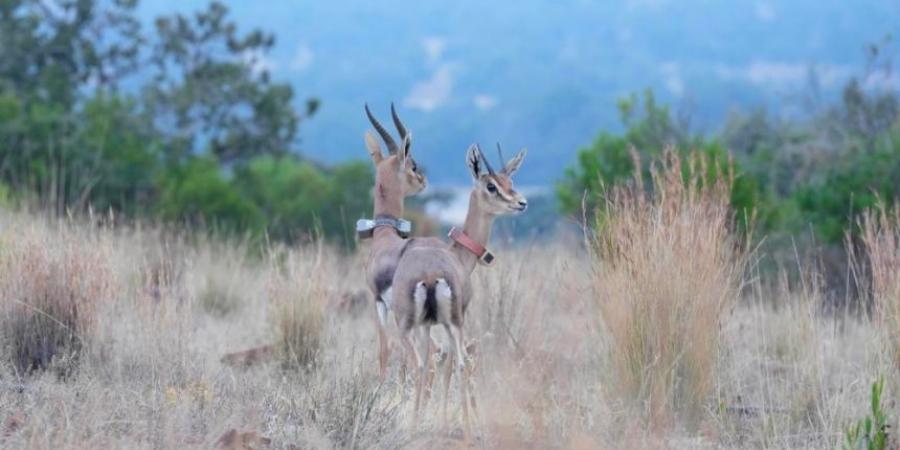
545 75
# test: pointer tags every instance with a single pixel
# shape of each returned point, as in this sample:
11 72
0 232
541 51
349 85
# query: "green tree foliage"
649 129
857 181
862 146
211 90
122 155
293 194
207 139
199 194
816 173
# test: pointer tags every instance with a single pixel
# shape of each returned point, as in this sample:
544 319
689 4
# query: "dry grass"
51 292
666 271
881 239
151 374
299 290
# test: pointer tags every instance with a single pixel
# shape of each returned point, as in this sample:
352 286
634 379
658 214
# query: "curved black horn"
500 154
484 160
400 128
391 145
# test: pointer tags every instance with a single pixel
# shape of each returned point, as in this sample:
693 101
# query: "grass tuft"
51 290
298 289
881 240
666 269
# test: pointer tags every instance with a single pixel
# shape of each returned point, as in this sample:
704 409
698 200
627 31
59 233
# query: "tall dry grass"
547 371
50 294
667 267
299 287
881 241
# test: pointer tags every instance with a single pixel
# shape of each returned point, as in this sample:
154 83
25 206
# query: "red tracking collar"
481 252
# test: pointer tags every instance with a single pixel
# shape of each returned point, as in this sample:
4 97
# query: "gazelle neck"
388 199
478 227
388 192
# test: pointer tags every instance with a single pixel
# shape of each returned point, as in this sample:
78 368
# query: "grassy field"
661 336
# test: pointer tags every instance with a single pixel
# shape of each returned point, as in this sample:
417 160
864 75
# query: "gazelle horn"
400 128
391 145
485 160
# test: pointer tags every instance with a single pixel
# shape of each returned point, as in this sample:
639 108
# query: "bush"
858 182
666 268
51 291
198 194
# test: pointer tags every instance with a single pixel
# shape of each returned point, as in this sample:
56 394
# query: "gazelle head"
398 170
494 189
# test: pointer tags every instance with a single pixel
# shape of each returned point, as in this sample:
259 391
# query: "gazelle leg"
461 373
470 371
428 347
423 364
448 368
384 348
407 360
410 349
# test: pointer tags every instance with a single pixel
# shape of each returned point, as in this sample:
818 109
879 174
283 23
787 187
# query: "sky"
547 75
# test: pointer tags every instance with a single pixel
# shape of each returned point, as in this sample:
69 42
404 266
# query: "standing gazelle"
432 285
396 176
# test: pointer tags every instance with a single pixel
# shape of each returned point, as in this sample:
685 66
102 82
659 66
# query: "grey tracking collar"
365 228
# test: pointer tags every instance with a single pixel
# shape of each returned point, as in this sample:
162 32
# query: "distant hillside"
545 75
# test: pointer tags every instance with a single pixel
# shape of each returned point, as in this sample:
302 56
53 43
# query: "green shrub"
870 433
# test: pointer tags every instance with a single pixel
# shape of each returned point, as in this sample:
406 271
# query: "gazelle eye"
492 188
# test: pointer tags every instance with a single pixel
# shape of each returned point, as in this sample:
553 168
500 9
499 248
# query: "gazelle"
432 285
396 176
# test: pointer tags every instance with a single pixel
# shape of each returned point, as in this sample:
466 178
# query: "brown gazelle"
432 285
396 176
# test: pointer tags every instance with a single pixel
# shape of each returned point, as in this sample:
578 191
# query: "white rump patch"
419 296
382 312
443 294
419 293
442 290
388 296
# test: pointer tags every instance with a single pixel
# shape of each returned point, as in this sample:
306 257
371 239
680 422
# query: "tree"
197 194
611 158
211 90
51 52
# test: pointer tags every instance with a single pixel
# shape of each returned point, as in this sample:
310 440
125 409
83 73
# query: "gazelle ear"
406 145
373 147
513 165
473 160
403 154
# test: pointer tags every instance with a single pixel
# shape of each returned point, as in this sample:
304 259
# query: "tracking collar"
365 228
485 257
